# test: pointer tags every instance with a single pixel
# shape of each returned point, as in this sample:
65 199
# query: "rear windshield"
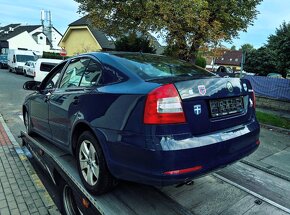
151 67
46 67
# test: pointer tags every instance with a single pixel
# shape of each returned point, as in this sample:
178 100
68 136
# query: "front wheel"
92 166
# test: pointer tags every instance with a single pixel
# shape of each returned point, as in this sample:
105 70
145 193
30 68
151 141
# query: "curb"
278 129
44 195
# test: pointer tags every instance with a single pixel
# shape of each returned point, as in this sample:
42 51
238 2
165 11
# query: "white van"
16 59
43 66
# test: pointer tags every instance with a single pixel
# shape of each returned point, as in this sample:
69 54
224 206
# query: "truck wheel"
68 202
27 122
92 166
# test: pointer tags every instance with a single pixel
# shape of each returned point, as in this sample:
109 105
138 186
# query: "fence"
276 88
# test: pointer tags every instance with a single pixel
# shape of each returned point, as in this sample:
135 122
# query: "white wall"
25 40
56 37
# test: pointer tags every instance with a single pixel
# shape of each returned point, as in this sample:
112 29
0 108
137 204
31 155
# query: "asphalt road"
242 180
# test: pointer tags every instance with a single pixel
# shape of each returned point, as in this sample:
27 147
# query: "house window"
231 59
41 37
236 59
222 58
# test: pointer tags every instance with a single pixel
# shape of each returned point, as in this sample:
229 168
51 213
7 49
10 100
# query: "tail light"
163 106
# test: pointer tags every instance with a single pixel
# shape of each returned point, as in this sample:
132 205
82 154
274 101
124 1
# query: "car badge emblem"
230 87
202 90
197 109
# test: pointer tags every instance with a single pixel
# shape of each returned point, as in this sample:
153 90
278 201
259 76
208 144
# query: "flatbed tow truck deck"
211 194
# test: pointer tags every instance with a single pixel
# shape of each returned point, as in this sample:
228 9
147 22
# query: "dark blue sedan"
140 117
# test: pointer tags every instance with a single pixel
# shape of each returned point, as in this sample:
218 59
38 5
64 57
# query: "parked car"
43 66
274 75
3 61
140 117
29 68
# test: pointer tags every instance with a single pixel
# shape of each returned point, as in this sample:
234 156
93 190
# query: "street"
260 184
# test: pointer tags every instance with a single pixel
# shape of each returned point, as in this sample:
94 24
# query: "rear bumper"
212 151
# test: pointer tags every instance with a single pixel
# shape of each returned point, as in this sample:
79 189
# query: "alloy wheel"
89 163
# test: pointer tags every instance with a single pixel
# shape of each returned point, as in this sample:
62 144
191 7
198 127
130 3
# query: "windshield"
3 57
150 67
24 58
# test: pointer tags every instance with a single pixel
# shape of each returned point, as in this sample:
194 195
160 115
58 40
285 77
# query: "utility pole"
242 62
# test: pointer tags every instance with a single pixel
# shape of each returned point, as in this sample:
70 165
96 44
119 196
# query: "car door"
39 103
65 101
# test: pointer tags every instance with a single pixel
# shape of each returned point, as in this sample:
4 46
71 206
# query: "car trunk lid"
212 104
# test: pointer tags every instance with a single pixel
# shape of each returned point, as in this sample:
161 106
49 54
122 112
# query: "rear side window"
91 75
47 67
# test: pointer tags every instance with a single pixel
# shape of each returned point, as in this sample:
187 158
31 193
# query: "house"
81 37
32 37
230 59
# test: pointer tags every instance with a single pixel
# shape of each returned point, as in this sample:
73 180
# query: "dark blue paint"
142 153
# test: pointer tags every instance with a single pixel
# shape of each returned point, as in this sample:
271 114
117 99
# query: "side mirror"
31 85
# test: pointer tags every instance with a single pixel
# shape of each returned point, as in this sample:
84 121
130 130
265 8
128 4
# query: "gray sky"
64 12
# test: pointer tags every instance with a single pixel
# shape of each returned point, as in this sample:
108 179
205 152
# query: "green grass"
274 120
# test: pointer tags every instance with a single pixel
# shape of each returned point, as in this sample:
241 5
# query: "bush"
52 55
200 61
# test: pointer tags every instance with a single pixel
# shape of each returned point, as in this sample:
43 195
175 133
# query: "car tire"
67 200
27 122
92 165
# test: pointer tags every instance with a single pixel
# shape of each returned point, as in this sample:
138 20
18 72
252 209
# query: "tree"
233 48
260 61
247 47
200 61
133 43
274 56
279 44
186 24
